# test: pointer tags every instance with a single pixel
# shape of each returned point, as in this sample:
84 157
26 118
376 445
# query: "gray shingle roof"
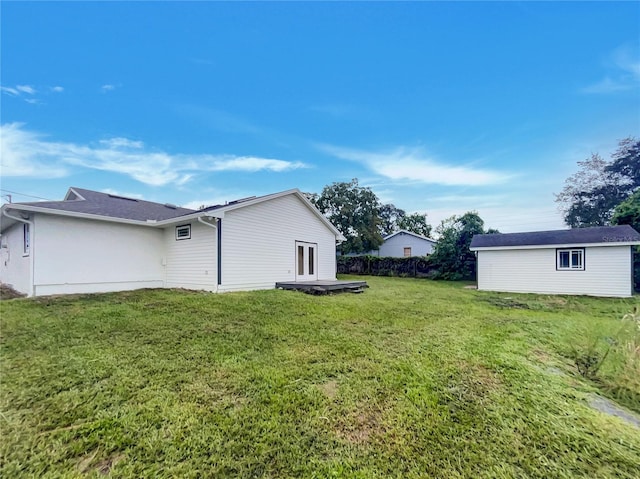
576 236
104 204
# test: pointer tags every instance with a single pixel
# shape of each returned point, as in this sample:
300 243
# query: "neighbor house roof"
409 233
603 235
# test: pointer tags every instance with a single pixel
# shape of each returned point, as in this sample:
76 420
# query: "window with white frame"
26 238
183 232
570 259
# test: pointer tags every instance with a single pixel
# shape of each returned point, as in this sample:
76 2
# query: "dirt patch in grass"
103 467
7 292
329 389
361 427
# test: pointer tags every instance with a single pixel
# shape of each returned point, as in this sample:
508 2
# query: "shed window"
407 252
570 259
26 238
183 232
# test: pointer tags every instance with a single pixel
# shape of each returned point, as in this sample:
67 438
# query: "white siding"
15 267
258 243
192 263
395 245
608 272
85 256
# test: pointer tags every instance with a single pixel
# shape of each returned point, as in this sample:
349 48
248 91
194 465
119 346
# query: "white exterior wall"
192 263
15 266
395 245
608 272
85 256
258 244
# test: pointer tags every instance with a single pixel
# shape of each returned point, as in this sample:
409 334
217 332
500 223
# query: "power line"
24 194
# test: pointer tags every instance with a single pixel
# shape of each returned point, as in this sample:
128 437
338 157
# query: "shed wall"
258 244
608 272
85 256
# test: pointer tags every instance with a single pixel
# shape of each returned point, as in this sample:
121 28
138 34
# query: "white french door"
306 261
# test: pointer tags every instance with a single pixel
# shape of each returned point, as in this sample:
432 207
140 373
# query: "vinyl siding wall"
191 263
15 267
608 272
84 256
258 244
395 246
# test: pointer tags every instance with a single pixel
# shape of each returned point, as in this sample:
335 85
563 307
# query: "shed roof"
577 236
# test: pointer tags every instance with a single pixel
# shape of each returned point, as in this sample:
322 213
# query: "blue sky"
440 108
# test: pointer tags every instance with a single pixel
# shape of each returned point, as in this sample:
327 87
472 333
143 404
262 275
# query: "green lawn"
412 378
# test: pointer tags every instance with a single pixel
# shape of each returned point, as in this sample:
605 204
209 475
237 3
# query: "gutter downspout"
32 249
217 227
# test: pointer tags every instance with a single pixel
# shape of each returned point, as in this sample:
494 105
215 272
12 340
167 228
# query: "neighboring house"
591 261
97 242
403 244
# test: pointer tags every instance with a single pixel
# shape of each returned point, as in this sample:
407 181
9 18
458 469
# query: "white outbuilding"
595 261
98 242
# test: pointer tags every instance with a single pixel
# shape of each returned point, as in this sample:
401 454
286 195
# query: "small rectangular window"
570 259
407 252
183 232
26 238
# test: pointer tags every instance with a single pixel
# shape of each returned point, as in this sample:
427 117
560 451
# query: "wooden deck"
324 287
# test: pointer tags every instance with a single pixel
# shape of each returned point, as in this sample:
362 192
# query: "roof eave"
554 246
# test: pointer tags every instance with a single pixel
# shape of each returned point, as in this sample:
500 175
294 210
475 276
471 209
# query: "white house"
591 261
403 244
97 242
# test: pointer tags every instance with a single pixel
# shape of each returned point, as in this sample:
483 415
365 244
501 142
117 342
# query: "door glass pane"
300 260
311 259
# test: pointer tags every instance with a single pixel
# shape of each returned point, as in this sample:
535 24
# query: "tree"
354 210
451 257
591 194
628 212
416 223
390 217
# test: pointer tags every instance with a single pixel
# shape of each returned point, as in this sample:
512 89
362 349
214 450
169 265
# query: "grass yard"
412 378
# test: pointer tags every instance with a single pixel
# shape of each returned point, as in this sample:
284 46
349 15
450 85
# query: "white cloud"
26 89
121 143
413 164
33 101
107 87
252 164
57 89
9 91
623 67
26 153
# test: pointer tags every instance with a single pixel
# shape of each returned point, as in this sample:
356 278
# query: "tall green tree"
355 211
451 257
390 217
591 194
416 223
628 212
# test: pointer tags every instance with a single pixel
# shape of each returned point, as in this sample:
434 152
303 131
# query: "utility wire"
24 194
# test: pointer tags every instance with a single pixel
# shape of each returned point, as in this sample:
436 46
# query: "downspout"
32 249
217 227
